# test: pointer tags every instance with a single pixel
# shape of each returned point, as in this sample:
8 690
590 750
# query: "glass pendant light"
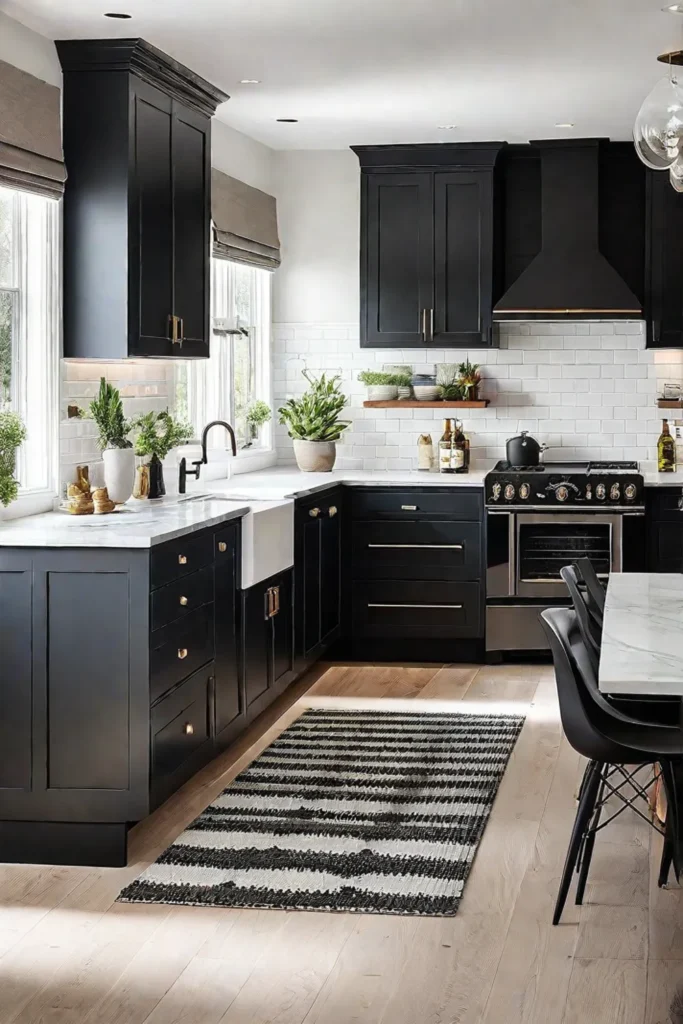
658 131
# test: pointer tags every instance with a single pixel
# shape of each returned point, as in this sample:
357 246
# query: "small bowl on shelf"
426 392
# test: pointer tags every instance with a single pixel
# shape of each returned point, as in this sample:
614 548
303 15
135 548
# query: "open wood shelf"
412 403
669 403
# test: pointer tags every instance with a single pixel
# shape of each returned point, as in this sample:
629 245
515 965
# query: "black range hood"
569 279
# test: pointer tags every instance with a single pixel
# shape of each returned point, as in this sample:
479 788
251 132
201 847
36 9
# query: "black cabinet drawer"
416 550
181 557
180 598
425 503
410 609
663 502
179 649
180 724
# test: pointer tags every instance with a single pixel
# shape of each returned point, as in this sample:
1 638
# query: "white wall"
241 157
318 203
29 51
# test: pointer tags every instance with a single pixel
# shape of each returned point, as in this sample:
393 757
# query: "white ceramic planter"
315 456
119 473
382 393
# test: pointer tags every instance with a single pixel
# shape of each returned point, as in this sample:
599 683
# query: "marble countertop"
141 524
653 478
642 637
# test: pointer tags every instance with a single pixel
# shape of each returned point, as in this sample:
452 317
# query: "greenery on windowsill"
12 436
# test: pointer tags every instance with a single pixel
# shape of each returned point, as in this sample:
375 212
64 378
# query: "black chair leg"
588 844
665 863
583 817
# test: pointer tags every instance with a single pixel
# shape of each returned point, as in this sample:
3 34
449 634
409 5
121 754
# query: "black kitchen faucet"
184 472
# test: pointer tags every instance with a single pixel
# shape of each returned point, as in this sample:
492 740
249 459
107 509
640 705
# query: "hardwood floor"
70 955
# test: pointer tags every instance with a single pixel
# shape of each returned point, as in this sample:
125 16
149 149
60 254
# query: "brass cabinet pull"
176 329
423 325
269 603
222 546
433 547
189 729
453 606
181 329
409 508
332 511
182 653
276 600
183 601
314 512
182 559
431 326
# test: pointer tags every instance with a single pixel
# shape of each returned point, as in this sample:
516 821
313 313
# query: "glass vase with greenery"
157 434
258 413
12 436
313 422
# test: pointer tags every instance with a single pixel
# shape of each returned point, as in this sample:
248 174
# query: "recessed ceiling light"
564 124
122 17
673 9
287 120
250 81
446 127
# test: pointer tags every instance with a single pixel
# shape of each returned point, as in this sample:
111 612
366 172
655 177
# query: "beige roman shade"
244 223
31 155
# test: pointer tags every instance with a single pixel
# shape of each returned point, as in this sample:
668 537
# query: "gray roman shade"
31 155
244 223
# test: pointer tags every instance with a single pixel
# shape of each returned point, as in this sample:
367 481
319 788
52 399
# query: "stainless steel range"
544 517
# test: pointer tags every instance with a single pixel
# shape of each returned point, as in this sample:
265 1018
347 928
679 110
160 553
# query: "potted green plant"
117 450
313 423
158 434
383 386
469 380
12 436
258 413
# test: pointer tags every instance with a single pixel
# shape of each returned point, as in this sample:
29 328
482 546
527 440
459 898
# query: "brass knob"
314 512
183 601
222 546
182 653
182 559
332 511
189 729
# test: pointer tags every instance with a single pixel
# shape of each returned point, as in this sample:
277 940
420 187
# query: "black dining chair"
612 741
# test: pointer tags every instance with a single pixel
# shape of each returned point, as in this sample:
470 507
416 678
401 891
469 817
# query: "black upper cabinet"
429 228
664 263
137 146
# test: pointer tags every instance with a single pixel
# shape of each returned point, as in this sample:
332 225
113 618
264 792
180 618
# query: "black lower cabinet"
664 529
267 641
318 574
228 698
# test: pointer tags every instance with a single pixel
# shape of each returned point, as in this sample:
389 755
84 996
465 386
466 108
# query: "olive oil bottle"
666 450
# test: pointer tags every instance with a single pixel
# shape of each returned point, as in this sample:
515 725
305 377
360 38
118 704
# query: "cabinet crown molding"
470 155
138 57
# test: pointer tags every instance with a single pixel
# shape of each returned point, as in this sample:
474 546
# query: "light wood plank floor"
70 955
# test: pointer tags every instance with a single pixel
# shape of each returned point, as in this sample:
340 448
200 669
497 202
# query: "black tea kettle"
523 450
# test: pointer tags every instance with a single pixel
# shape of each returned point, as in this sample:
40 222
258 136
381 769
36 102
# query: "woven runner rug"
376 812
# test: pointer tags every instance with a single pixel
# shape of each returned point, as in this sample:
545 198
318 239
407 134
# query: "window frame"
36 344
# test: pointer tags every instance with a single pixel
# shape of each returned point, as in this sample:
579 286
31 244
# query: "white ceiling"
387 71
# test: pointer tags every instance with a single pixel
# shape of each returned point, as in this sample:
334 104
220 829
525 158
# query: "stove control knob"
600 492
615 492
509 492
630 492
589 492
562 493
524 491
497 488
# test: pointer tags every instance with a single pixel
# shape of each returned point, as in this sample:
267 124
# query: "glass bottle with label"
459 457
666 450
445 448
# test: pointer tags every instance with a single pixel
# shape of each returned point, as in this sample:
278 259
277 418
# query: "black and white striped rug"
368 811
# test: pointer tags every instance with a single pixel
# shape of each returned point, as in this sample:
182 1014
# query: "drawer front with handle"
426 503
180 598
417 550
180 724
181 557
419 610
179 649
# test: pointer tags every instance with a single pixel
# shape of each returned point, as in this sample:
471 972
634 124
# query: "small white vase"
119 473
315 456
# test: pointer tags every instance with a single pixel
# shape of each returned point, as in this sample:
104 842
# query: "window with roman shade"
244 223
31 157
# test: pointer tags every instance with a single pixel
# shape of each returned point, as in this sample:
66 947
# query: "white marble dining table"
642 635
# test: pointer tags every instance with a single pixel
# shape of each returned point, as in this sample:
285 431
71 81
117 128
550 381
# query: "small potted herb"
12 436
383 386
469 379
313 423
117 451
158 434
258 413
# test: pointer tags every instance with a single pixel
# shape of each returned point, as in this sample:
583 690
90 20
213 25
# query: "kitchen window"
238 370
30 316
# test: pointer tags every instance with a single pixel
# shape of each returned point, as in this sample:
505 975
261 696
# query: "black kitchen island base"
76 843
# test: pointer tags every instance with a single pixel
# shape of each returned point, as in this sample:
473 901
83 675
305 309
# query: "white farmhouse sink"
267 536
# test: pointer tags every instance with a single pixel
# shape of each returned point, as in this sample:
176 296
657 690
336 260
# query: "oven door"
546 543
